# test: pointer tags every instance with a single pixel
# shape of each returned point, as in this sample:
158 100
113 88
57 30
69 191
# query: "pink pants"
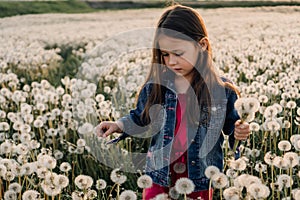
150 193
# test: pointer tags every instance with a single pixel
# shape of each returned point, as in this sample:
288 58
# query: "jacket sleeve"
132 123
231 116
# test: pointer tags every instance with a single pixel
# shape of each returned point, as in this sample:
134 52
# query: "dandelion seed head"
259 167
86 128
210 171
42 172
179 167
101 184
280 162
254 126
10 195
269 158
272 126
276 186
144 181
231 173
291 105
81 142
238 164
128 195
100 98
117 176
292 159
50 190
4 126
61 181
294 138
162 196
65 167
184 186
3 170
263 98
220 180
232 193
270 112
258 191
9 176
173 193
2 114
83 181
285 180
296 194
284 145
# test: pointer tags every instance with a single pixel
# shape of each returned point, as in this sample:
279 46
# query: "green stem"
118 191
209 188
272 175
291 181
285 192
291 130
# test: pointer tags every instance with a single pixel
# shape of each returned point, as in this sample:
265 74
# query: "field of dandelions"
61 74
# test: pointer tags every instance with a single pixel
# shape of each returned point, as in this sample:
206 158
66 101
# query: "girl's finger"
108 131
100 130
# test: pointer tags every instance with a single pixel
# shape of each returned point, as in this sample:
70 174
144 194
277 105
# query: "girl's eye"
164 54
176 54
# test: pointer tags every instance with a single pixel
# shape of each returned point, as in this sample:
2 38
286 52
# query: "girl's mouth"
177 69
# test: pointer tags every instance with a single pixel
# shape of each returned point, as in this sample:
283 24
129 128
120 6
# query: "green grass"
36 7
11 8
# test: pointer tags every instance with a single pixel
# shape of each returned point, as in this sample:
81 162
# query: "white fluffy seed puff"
184 186
144 181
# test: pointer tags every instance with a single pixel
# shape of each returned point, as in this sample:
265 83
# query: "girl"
196 107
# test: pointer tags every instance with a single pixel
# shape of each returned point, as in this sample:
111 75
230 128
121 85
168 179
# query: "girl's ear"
203 43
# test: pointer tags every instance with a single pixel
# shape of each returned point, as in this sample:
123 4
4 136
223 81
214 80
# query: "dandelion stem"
253 140
291 180
118 191
1 188
285 192
112 189
272 177
264 141
209 188
291 129
236 142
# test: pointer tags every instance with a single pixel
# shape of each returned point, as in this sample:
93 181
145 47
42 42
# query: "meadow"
61 74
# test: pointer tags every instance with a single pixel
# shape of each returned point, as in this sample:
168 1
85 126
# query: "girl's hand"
106 128
241 130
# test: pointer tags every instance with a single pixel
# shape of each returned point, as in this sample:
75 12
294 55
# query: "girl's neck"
182 84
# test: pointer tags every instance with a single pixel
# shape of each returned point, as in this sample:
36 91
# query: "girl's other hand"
106 128
241 130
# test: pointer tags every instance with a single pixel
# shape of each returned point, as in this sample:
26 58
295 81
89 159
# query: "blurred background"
16 7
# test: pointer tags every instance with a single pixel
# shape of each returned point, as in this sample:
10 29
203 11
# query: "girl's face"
179 55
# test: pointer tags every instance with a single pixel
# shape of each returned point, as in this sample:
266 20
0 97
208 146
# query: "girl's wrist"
120 125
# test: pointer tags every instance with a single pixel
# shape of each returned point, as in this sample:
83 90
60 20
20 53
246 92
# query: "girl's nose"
172 59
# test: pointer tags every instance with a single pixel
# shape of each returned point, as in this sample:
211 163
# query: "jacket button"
193 162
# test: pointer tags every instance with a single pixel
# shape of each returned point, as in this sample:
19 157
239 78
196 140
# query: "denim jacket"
204 139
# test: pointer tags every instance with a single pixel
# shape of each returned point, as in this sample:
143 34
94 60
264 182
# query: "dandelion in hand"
246 108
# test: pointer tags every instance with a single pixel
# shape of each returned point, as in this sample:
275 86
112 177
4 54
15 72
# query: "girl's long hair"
185 23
